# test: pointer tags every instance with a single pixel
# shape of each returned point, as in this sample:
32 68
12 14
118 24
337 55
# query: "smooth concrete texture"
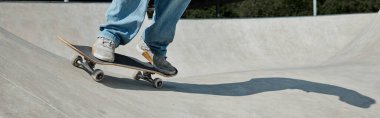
297 67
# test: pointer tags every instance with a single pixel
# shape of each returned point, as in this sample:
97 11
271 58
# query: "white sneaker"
145 51
104 49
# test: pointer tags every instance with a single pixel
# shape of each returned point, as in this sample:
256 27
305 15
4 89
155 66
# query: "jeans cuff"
110 36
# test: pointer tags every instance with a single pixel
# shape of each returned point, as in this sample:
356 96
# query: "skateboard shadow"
253 86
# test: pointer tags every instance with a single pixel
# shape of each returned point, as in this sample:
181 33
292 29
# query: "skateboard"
86 61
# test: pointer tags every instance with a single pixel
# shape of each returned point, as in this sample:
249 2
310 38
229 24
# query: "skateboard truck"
98 75
147 76
88 66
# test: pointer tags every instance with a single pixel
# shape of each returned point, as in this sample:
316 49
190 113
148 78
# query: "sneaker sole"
100 57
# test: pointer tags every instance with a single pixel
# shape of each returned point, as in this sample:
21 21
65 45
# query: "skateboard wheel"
138 75
157 83
76 61
97 75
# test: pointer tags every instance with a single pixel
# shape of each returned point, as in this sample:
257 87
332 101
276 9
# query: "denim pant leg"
161 33
124 19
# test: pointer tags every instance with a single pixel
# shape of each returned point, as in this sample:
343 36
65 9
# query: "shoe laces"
144 46
108 43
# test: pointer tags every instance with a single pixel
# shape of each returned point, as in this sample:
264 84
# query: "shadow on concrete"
253 86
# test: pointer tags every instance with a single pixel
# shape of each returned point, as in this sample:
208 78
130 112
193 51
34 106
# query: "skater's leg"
161 33
124 19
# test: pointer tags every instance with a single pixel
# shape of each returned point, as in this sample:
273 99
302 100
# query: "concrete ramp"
364 48
327 66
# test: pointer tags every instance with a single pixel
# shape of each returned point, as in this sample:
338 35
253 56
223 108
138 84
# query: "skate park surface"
290 67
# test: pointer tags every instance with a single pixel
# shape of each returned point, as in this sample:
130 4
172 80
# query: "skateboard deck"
120 60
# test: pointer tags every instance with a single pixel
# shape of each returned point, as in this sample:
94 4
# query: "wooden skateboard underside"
120 60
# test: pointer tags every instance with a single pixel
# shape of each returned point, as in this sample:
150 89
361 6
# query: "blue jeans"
124 19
